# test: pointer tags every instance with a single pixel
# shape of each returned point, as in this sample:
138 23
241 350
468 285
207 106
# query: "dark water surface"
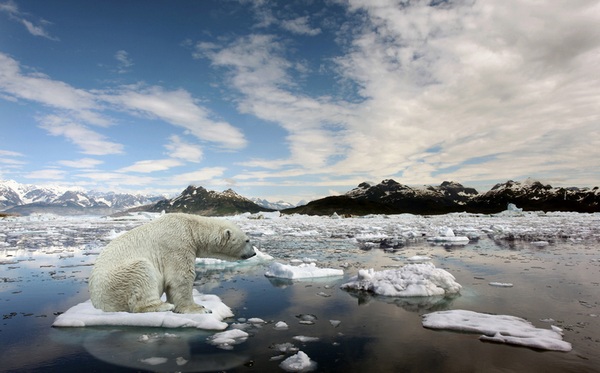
560 281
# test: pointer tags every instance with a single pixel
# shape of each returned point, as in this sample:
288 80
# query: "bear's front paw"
192 309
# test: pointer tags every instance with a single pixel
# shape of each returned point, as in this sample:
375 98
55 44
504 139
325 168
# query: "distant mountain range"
391 197
24 199
387 197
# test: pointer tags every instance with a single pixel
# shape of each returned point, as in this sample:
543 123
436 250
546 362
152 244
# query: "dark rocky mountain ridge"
391 197
197 200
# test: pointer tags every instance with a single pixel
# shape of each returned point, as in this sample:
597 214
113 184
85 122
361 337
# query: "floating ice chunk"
84 314
304 338
540 243
228 338
513 207
281 325
302 271
447 235
497 328
412 280
284 347
448 232
154 360
419 258
256 320
307 318
501 284
335 323
298 363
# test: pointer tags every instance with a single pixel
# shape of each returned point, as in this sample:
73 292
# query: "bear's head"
232 244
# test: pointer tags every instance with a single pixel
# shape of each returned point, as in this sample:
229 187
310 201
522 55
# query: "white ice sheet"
84 314
498 328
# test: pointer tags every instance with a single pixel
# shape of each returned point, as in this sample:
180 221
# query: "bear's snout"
248 256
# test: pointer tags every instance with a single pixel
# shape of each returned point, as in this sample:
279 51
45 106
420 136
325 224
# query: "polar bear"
135 269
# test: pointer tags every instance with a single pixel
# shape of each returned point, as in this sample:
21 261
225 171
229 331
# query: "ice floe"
225 340
412 280
299 362
302 271
447 235
84 314
501 284
498 328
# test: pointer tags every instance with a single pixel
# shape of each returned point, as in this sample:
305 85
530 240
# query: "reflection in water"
176 351
411 304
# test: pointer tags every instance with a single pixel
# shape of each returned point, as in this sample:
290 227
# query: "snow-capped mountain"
533 195
391 197
198 200
25 199
279 205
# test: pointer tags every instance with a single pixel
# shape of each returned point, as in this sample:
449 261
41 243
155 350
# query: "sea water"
552 262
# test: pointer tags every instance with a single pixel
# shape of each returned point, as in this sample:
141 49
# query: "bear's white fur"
135 269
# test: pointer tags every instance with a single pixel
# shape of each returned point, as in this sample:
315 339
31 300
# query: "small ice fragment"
335 323
280 325
448 232
256 320
540 243
419 258
304 339
154 360
284 347
181 361
226 339
501 284
241 326
307 319
323 294
298 363
301 271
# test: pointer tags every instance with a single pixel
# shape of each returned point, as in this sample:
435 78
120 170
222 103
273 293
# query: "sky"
296 100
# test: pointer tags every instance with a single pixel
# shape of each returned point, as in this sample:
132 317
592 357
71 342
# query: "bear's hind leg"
145 289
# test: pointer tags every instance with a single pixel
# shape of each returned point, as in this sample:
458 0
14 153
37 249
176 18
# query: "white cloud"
147 166
89 141
300 26
261 73
10 153
11 8
179 108
83 163
125 62
476 80
46 91
49 174
198 177
180 149
116 181
455 91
